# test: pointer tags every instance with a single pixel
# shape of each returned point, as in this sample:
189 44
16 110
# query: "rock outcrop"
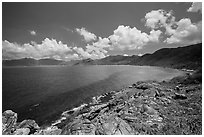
9 119
149 107
26 127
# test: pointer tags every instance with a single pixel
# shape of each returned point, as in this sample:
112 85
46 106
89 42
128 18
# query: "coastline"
91 100
109 105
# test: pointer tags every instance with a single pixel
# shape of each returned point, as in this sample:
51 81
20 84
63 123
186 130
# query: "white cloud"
49 48
154 35
81 52
95 50
182 31
32 32
68 29
159 18
93 54
186 32
71 56
195 7
125 37
88 36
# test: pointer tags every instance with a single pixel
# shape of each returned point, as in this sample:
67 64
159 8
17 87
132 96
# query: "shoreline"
63 114
51 117
101 102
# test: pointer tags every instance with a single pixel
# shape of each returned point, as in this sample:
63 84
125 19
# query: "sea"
43 93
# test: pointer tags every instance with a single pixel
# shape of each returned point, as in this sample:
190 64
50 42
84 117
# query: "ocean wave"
66 113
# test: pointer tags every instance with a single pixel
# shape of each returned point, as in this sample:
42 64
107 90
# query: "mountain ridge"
181 57
189 57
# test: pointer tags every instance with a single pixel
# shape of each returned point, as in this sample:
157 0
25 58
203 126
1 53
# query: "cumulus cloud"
88 36
186 32
195 7
125 37
154 35
182 31
95 54
82 52
71 57
49 48
159 18
95 50
32 32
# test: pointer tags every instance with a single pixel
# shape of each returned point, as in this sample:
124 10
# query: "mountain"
31 62
70 63
117 60
189 57
110 60
85 62
49 62
182 57
20 62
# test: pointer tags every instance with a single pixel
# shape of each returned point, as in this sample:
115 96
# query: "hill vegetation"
188 57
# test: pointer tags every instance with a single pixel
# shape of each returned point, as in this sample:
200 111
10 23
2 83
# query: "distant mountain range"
182 57
31 62
189 57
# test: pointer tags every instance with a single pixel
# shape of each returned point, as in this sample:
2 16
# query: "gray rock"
147 109
144 86
22 131
81 126
116 126
179 96
9 119
31 124
28 124
53 130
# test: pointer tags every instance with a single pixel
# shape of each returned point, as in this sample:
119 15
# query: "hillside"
20 62
182 57
31 62
189 57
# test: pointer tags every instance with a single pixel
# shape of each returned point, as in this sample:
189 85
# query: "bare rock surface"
9 119
145 108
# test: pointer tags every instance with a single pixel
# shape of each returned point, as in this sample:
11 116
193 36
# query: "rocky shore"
145 108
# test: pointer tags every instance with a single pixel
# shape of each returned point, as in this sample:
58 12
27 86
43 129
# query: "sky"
72 31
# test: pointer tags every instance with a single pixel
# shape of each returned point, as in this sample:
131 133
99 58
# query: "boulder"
95 110
22 131
82 127
151 92
147 109
28 123
9 119
116 126
144 86
31 124
53 130
179 96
